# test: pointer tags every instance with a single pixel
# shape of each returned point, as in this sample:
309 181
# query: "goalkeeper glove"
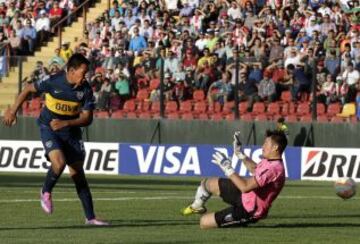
237 146
223 162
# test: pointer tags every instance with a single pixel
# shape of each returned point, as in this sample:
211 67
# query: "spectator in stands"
42 27
332 63
57 59
342 90
221 91
104 95
248 91
28 38
55 13
137 42
122 87
328 91
352 78
65 51
266 88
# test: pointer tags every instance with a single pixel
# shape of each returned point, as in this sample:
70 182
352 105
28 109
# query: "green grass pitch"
147 210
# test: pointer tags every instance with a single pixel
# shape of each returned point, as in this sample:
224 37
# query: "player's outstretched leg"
53 174
84 194
198 205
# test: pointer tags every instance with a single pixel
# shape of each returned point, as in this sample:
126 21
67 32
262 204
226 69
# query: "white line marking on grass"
155 198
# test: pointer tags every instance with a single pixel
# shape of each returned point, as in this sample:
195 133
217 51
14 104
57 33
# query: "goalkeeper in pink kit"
250 198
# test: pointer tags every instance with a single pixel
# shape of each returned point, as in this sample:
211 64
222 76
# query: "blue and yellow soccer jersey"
62 100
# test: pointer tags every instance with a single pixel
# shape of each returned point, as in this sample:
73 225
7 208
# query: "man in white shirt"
42 26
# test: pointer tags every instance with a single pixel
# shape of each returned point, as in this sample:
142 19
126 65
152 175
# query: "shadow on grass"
317 216
306 225
114 224
24 180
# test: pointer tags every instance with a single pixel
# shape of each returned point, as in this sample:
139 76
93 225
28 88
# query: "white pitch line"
156 198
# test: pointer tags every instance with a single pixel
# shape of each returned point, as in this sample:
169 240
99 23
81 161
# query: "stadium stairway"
9 84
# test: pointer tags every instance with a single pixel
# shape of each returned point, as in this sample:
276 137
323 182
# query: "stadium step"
71 33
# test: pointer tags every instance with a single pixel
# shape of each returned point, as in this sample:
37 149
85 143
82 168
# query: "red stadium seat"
131 115
35 104
154 84
261 117
258 108
288 109
155 107
200 107
101 114
230 117
320 108
173 116
247 117
198 95
215 107
333 109
144 106
187 116
185 107
305 118
203 116
228 107
129 106
217 117
322 118
144 115
286 96
119 114
170 107
142 95
273 109
291 118
336 119
303 109
243 107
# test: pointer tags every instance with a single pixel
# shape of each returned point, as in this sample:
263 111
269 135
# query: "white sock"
201 196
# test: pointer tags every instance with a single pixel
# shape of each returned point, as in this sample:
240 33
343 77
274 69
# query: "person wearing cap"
42 26
171 62
196 21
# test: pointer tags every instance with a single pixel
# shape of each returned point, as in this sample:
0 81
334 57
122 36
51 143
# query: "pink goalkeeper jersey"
270 176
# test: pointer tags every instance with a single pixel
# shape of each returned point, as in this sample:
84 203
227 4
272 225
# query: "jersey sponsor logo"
29 156
330 163
49 144
79 95
194 160
62 107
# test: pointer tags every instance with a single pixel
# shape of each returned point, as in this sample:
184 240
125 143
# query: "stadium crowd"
281 45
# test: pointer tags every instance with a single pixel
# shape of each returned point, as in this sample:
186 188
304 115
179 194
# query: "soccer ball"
345 188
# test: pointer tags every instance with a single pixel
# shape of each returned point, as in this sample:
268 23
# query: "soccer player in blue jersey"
69 104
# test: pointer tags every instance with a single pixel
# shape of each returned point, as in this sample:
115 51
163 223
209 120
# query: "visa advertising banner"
193 160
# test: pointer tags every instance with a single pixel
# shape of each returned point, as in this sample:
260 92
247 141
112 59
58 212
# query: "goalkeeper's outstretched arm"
249 164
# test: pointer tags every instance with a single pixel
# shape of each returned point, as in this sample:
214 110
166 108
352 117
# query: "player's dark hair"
279 138
76 60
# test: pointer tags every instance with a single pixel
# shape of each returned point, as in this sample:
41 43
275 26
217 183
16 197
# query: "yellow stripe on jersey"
61 107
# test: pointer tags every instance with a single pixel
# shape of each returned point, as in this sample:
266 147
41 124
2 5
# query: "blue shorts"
69 141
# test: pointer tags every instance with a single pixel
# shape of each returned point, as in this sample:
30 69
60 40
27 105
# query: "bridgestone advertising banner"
29 156
330 163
